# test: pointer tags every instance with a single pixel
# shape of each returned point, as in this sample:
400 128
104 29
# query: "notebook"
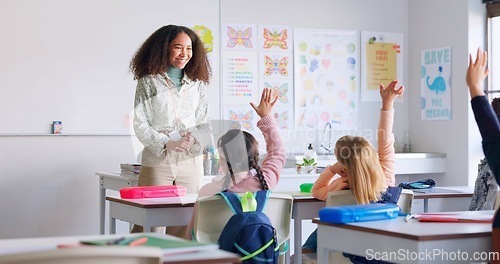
436 190
461 217
168 246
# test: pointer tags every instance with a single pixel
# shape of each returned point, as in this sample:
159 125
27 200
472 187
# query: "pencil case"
153 191
358 213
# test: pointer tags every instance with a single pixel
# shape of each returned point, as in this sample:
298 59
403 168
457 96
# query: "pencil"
138 242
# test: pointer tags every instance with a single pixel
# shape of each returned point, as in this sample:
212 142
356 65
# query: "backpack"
249 231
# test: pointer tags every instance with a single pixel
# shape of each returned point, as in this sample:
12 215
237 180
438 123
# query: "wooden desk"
407 242
305 207
443 192
112 181
11 246
151 212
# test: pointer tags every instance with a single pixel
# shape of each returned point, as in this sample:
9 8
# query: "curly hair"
239 159
152 56
496 106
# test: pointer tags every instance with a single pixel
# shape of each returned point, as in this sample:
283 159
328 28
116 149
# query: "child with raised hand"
239 156
363 171
489 127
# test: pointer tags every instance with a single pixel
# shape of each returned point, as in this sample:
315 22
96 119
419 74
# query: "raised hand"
389 93
477 72
267 102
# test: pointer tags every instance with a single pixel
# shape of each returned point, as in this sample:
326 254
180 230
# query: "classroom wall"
433 26
49 182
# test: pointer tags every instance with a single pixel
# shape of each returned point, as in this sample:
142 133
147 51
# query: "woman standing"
171 117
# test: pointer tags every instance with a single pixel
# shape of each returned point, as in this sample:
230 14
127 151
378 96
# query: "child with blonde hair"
364 171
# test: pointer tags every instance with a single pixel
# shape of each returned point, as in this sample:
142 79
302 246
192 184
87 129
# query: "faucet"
328 128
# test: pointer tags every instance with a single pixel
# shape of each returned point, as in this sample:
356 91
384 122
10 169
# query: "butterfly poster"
281 88
276 65
326 78
241 117
283 117
275 38
382 54
239 37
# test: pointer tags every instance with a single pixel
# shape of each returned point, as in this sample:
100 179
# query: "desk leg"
426 205
297 240
102 205
112 225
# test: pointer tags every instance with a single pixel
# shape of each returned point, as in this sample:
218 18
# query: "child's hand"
477 72
389 94
267 101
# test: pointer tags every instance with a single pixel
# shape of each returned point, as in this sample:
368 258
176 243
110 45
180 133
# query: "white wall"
49 185
461 25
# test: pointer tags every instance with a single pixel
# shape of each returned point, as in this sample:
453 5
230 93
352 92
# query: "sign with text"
435 87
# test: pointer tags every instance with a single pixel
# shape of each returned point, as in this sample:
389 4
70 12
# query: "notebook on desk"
436 190
168 246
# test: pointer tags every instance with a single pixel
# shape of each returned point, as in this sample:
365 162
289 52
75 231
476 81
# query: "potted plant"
307 166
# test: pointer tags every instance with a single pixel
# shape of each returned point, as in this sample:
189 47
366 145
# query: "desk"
112 181
151 212
11 246
408 242
443 192
305 207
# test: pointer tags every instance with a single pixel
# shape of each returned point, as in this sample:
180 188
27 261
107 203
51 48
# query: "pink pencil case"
153 191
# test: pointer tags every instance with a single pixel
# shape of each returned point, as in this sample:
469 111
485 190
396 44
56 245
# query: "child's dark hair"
239 160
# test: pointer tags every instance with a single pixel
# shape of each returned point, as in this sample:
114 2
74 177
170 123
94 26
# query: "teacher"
171 117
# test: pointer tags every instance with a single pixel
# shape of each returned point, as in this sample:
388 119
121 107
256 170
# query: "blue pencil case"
358 213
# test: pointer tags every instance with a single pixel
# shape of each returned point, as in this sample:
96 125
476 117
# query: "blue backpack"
249 231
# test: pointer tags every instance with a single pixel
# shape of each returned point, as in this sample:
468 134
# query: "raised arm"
486 118
385 136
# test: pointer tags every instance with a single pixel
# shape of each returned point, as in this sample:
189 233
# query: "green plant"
308 162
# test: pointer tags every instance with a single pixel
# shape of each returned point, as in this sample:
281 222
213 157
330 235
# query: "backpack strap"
249 202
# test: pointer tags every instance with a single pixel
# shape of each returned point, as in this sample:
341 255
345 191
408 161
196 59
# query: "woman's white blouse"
160 108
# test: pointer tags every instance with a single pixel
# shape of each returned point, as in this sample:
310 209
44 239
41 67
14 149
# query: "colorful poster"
239 37
240 77
435 84
326 78
241 117
275 38
382 62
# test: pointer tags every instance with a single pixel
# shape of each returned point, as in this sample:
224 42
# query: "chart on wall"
255 57
435 84
326 78
382 62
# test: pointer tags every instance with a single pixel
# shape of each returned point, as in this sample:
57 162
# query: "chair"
88 255
212 214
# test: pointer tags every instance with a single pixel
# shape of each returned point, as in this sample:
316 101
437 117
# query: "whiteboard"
68 60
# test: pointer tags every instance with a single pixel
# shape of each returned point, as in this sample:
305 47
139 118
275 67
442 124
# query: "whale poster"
435 84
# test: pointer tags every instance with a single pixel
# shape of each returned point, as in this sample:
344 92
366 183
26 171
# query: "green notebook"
169 246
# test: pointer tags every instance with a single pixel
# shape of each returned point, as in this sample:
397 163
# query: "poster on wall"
276 69
435 84
382 62
326 78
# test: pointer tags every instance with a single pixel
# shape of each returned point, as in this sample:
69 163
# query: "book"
461 217
168 246
128 169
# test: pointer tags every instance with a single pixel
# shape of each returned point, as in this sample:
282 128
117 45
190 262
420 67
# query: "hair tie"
253 172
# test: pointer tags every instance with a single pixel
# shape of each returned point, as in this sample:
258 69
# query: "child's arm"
275 158
324 184
385 137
